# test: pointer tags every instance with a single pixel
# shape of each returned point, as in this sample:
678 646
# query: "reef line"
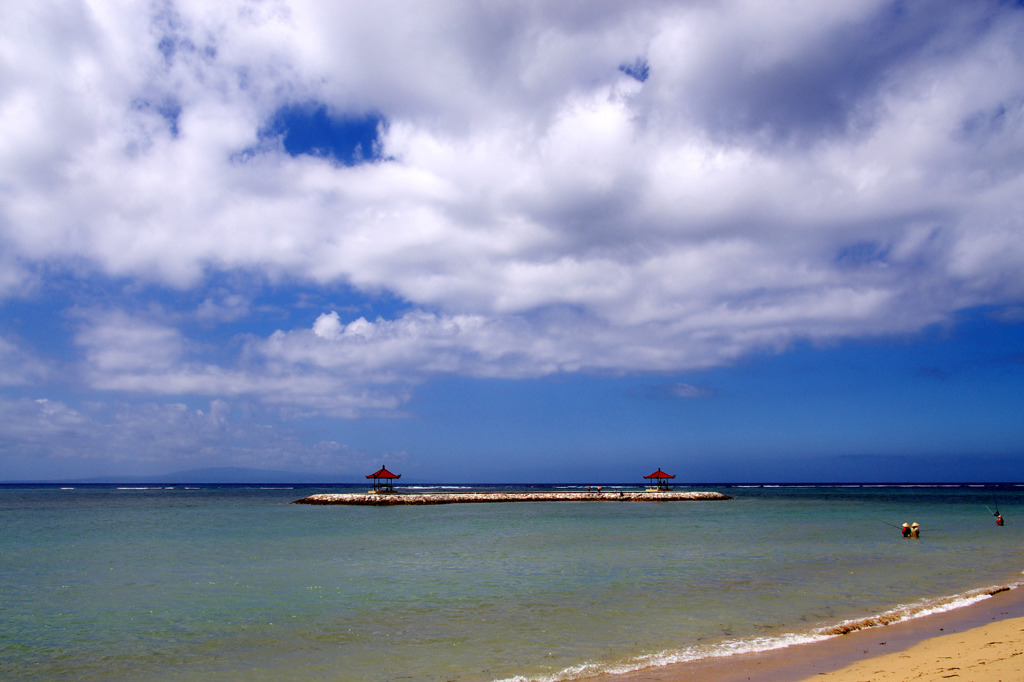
378 499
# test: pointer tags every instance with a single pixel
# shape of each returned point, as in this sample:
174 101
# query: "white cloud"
540 210
46 439
115 342
135 354
688 391
223 306
327 326
19 367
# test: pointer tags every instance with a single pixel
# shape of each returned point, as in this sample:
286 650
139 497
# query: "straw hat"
906 525
914 524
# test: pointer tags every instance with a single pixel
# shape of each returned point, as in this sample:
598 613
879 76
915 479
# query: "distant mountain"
243 475
219 475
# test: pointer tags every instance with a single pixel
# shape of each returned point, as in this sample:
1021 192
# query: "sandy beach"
991 653
983 642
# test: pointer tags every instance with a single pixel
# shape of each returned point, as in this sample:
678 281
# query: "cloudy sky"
513 240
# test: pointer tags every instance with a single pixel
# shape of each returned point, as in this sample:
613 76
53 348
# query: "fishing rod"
931 531
999 517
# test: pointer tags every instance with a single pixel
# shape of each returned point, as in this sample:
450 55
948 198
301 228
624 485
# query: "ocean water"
233 582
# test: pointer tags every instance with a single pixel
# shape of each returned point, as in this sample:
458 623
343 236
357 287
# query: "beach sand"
983 642
989 653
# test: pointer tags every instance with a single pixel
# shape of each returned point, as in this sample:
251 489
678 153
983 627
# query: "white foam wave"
435 487
762 644
919 609
664 658
595 487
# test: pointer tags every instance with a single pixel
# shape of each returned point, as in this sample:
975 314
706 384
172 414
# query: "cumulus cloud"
135 354
559 186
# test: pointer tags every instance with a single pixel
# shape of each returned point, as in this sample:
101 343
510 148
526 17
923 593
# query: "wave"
752 645
603 486
917 610
435 487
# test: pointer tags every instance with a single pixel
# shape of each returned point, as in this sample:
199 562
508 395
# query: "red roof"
660 474
384 473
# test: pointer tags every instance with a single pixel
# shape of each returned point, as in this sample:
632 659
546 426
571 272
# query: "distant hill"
243 475
218 475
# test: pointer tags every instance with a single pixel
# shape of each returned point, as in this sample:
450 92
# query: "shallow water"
233 582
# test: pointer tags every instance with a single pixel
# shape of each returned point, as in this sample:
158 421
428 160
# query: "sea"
232 582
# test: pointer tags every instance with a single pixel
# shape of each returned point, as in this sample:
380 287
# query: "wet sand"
379 499
983 642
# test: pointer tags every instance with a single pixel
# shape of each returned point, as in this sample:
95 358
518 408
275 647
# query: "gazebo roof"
660 474
383 473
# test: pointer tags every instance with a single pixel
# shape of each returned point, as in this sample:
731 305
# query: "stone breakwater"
456 498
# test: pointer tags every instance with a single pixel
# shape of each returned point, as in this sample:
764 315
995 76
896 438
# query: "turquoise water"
226 583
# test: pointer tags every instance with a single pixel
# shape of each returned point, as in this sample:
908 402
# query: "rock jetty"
377 499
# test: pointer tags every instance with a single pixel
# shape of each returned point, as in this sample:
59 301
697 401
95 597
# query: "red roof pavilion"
659 478
383 480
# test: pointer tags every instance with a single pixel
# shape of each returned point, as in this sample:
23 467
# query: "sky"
497 241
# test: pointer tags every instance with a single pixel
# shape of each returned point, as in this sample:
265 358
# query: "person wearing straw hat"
915 530
906 530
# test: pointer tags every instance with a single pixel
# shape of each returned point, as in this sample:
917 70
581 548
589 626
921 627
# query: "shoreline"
882 652
391 499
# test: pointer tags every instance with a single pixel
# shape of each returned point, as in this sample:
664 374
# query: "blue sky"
532 241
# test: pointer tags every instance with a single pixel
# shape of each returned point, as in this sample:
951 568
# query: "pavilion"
383 480
659 481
